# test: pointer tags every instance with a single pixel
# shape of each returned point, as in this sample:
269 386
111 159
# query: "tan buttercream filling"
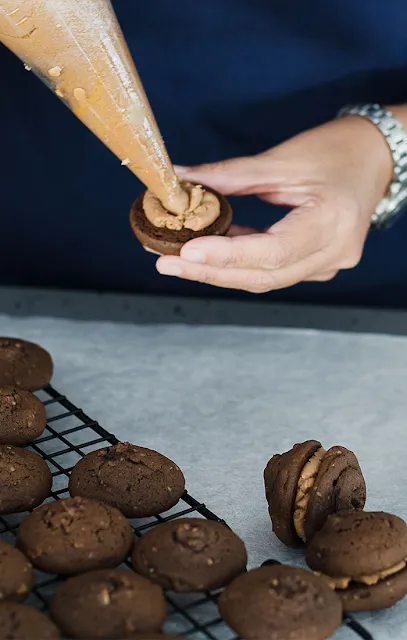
305 484
203 210
78 49
370 580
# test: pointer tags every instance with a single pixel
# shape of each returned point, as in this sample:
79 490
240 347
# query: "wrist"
393 131
400 111
377 154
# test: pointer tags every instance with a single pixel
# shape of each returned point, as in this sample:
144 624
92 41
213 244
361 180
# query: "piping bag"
77 48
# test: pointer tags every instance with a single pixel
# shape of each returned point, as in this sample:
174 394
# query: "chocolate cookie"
108 604
19 622
25 480
169 241
75 535
190 554
16 574
138 481
280 603
364 557
24 364
306 484
22 416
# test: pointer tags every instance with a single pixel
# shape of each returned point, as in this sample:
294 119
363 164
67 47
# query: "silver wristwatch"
395 201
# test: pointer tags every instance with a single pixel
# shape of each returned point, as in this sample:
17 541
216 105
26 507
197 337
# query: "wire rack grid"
69 435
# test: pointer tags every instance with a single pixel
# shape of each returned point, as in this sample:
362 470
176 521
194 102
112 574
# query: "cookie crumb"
55 72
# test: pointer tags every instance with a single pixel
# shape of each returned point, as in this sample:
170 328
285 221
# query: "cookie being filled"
160 231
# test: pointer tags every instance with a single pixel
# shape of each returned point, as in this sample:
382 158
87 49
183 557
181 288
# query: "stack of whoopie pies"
316 499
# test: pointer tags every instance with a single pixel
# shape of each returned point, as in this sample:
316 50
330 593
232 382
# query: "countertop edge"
151 309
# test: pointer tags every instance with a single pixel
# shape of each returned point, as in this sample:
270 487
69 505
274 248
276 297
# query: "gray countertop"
220 400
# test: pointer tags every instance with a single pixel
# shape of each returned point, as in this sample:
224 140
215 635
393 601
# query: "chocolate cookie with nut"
75 535
22 416
108 604
25 480
16 574
140 482
190 554
24 364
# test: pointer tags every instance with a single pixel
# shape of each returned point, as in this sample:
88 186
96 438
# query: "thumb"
237 176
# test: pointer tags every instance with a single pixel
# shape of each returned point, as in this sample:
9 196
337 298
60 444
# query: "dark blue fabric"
225 78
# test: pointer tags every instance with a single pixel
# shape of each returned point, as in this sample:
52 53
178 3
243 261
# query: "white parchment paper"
220 401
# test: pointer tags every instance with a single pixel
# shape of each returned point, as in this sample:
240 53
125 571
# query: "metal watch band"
394 202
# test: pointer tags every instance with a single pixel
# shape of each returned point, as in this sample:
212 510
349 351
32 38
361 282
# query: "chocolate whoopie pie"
306 484
190 554
25 480
108 604
24 364
279 602
363 555
22 416
75 535
16 574
170 241
20 622
138 481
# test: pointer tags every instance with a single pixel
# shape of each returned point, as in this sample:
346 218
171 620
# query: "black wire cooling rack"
70 434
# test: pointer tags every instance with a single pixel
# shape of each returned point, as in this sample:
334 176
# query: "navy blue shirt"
225 78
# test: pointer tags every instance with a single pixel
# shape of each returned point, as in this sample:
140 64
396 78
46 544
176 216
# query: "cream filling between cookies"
305 484
203 210
369 580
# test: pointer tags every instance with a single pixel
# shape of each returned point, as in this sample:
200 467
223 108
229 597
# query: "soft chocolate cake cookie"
138 481
108 604
22 416
279 602
363 555
75 535
170 241
24 364
16 574
25 480
20 622
308 483
190 554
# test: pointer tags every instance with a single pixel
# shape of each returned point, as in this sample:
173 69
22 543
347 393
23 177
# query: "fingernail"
168 268
192 255
151 251
179 169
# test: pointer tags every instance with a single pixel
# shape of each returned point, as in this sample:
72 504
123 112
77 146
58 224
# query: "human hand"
333 176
